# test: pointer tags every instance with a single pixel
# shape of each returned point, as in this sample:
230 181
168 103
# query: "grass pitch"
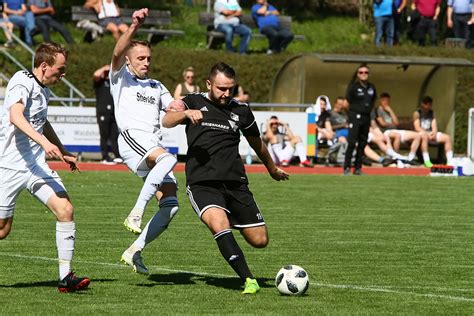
371 245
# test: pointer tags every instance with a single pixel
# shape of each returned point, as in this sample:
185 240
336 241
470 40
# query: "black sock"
232 253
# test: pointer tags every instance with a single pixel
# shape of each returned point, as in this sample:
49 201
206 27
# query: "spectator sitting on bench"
323 124
7 27
282 143
226 20
18 14
43 11
388 122
339 119
187 86
108 14
425 123
266 18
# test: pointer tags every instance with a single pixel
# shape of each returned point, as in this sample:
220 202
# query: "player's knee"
260 241
65 212
4 230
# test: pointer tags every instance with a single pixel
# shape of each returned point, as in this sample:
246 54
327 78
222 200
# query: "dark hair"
273 117
385 95
354 76
134 43
340 98
223 68
427 100
47 52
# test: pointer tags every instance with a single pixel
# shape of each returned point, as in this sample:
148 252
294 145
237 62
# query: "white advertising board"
78 130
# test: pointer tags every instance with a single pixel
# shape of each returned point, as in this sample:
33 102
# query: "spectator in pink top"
429 11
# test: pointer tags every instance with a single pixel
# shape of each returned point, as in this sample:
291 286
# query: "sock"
412 155
392 153
164 164
300 150
65 240
449 157
158 224
426 157
232 253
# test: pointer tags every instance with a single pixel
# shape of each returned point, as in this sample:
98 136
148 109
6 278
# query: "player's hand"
176 106
279 175
139 16
71 160
195 116
52 151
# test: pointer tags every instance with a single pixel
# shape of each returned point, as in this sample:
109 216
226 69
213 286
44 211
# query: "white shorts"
135 146
370 137
279 154
398 131
40 181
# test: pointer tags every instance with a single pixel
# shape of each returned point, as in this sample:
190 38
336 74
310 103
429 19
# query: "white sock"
164 164
426 157
300 150
392 153
412 155
65 240
449 157
158 224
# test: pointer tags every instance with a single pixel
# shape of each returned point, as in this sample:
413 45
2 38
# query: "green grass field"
371 245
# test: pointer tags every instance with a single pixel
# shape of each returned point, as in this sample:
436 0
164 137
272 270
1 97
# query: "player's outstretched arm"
174 118
118 57
66 156
262 152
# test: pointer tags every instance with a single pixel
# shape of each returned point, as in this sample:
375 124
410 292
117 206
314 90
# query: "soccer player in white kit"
138 101
26 137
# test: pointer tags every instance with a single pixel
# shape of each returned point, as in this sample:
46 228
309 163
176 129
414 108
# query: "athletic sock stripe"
222 233
133 144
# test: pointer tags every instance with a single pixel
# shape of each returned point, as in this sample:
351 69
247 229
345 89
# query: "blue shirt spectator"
263 20
384 21
460 16
19 15
266 18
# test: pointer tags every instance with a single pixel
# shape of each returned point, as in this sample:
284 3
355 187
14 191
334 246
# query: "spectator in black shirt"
361 95
105 115
215 174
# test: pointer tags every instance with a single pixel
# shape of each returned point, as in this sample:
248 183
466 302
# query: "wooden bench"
215 38
154 23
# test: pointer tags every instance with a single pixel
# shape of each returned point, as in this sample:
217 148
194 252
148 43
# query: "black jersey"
213 144
361 99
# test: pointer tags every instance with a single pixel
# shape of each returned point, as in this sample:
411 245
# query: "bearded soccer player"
26 137
138 101
217 185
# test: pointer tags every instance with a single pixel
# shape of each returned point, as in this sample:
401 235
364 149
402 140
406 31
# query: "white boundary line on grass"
336 286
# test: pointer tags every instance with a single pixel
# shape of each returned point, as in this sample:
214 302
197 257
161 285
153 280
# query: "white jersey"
18 151
138 102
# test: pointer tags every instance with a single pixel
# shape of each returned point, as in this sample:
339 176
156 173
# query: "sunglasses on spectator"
363 72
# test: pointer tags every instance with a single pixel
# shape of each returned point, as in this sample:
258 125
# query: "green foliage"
365 255
330 34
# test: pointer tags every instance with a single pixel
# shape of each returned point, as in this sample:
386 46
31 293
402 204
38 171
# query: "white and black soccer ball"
292 280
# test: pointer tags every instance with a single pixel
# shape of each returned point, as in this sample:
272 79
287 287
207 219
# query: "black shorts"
233 197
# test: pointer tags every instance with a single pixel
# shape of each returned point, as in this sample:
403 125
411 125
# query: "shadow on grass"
182 278
46 283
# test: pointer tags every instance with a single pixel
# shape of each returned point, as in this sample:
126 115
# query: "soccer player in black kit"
361 95
215 174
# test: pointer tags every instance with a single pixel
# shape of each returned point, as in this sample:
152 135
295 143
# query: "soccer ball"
292 280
